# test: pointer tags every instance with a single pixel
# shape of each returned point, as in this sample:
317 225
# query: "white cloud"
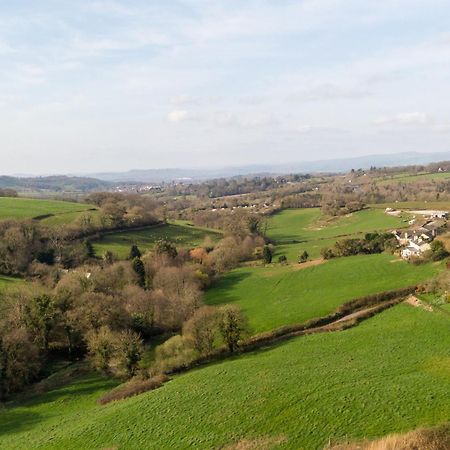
407 118
184 100
180 115
327 91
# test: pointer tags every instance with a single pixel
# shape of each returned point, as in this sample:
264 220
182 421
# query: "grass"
28 208
296 230
391 374
7 282
437 176
282 295
182 234
439 205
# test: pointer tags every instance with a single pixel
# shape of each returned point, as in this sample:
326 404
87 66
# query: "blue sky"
113 85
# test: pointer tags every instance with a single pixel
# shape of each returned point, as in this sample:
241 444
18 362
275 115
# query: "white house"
414 249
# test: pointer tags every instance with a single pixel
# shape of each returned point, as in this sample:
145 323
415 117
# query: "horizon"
262 168
113 86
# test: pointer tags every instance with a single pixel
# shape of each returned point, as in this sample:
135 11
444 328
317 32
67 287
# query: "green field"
437 176
28 208
180 233
389 374
282 295
9 282
296 230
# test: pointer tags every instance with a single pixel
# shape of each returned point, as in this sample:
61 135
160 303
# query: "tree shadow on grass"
16 421
16 418
222 288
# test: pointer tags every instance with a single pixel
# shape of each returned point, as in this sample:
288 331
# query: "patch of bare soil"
312 263
261 443
417 303
427 439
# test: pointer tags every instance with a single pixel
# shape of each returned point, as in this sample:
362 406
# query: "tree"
100 345
202 328
90 252
19 362
129 348
267 254
139 268
438 250
108 257
41 315
303 257
134 252
233 326
282 259
163 246
327 253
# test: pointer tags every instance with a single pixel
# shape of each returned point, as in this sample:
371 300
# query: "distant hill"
329 165
57 183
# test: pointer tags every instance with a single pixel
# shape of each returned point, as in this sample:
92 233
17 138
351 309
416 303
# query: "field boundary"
346 316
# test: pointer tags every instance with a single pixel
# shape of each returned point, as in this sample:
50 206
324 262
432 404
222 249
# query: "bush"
129 349
303 257
282 259
101 347
132 388
173 354
327 253
267 254
438 251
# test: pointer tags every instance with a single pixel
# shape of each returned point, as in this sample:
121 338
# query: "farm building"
414 249
417 240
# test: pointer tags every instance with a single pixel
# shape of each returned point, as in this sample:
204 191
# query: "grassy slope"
441 176
389 374
182 234
6 282
275 296
27 208
295 230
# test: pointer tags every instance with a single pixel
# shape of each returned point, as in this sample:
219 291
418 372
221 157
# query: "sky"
109 85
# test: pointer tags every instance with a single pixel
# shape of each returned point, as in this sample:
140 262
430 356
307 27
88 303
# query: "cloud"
180 115
327 91
408 119
184 100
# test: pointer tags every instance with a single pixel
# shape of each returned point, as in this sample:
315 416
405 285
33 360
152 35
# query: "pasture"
406 178
6 282
296 230
182 234
283 295
389 374
29 208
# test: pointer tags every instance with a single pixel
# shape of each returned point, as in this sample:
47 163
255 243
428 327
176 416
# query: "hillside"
390 374
56 183
45 210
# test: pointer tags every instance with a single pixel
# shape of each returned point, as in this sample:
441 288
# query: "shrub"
327 253
303 257
233 326
174 353
129 349
267 254
134 252
132 388
101 347
282 259
202 329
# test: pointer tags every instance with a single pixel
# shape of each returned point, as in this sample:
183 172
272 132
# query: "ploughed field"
389 374
296 230
282 295
49 211
180 233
